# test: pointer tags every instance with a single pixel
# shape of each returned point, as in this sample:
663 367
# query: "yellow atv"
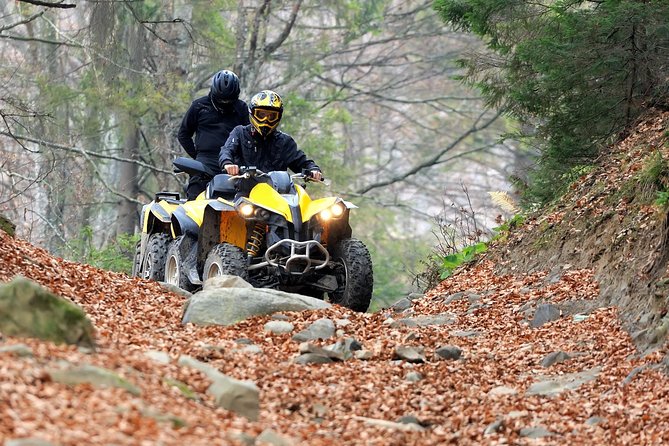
265 228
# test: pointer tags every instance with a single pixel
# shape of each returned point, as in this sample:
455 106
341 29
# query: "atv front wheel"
175 271
156 252
225 259
354 276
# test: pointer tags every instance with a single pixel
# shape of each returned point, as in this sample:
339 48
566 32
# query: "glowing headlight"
334 211
246 210
337 210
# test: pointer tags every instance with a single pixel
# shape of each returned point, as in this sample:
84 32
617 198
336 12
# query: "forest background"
93 92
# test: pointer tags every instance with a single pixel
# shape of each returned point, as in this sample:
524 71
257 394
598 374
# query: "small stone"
409 354
278 327
413 377
554 358
502 390
321 329
363 355
280 317
493 427
20 350
535 432
252 349
449 352
545 313
311 358
158 356
401 305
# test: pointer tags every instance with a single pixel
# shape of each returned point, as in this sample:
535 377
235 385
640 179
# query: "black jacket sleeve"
187 130
230 151
296 159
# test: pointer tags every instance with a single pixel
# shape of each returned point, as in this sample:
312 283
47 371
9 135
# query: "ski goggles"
266 115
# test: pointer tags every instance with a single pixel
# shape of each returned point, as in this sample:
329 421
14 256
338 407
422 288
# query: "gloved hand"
231 169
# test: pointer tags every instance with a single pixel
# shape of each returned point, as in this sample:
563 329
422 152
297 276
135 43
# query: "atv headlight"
334 211
246 210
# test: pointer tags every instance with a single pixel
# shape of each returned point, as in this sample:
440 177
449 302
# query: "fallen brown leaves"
329 404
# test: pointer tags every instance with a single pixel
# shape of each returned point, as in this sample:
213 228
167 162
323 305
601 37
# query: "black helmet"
224 88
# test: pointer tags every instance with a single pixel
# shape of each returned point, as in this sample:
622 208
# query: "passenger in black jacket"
211 119
261 145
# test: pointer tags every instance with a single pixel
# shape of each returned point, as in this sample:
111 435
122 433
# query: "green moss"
29 310
7 225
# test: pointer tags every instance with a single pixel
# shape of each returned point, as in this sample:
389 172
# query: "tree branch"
50 4
433 159
83 152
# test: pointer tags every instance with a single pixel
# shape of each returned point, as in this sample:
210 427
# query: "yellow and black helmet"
266 109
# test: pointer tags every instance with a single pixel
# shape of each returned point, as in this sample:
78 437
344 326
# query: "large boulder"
226 306
29 310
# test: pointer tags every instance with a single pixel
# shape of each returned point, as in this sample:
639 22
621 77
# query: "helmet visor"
266 115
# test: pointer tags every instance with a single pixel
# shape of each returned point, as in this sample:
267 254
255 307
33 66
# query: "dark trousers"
196 185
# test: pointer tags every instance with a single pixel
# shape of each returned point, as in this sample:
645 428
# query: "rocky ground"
530 345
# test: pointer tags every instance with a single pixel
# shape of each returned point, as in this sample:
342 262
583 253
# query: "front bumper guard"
299 261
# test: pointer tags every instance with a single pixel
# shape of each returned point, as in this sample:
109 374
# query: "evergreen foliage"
574 72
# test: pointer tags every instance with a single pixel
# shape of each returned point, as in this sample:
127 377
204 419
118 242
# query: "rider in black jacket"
211 119
261 145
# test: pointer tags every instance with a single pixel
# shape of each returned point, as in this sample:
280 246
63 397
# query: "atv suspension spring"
255 241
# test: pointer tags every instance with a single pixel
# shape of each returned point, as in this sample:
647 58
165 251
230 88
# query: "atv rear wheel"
225 259
156 253
137 263
175 271
355 276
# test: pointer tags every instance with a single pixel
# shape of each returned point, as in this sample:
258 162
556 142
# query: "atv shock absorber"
255 241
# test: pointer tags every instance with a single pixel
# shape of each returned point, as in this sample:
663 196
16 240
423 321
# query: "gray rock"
413 377
321 329
280 317
175 289
268 436
454 297
363 355
306 347
545 313
405 427
157 356
210 371
415 296
401 305
594 420
20 350
494 427
29 310
27 442
560 383
95 376
244 341
278 327
535 432
426 321
226 281
554 358
312 358
226 306
465 333
502 391
411 419
345 347
409 354
240 397
448 352
251 349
